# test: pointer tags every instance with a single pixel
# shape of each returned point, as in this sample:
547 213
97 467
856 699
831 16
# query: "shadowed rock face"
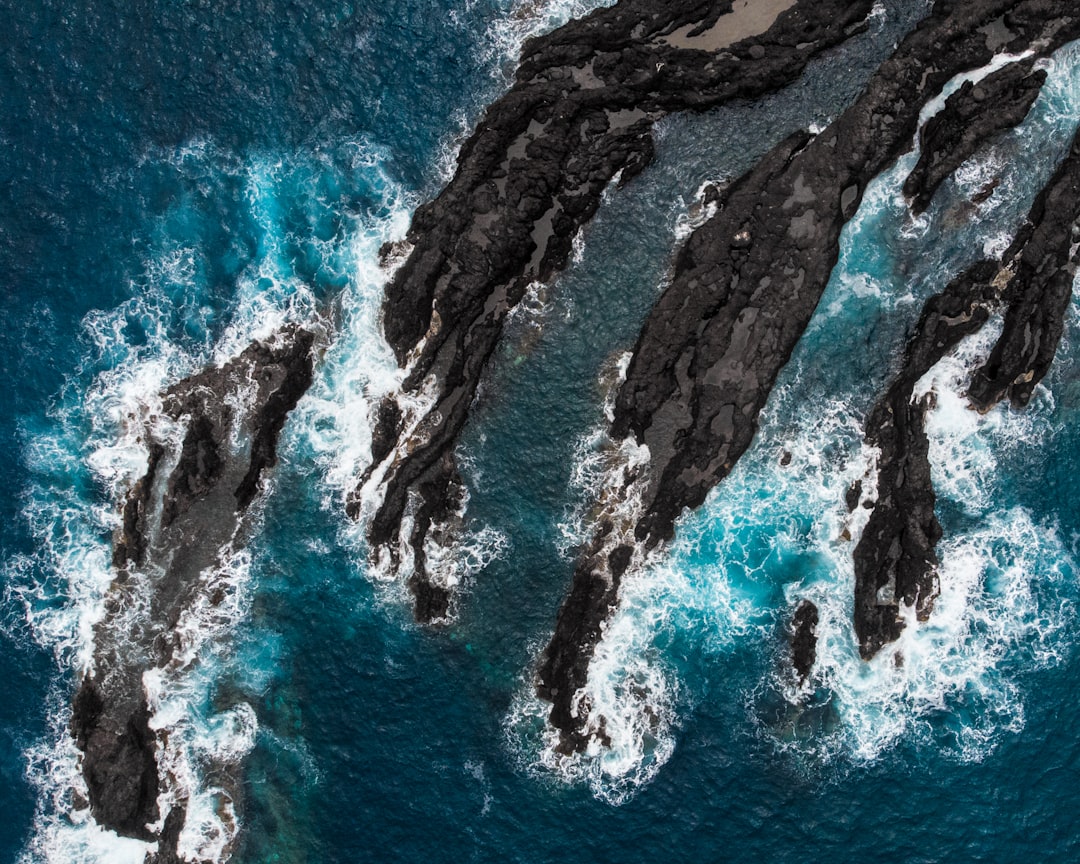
744 288
179 518
896 560
579 115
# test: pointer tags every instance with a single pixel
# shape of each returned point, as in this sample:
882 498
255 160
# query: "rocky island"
180 520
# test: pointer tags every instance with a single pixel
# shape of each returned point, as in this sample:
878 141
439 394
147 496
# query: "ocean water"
179 178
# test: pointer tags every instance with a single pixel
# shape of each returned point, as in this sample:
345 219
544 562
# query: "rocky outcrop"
895 559
970 119
579 115
179 518
804 640
743 290
1043 262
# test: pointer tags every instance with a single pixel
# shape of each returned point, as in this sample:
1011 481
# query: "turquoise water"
235 168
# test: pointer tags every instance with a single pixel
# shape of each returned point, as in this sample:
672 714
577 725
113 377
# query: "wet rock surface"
896 560
179 519
579 115
744 288
970 119
804 640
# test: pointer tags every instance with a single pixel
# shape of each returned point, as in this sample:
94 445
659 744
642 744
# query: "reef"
578 117
209 451
896 560
743 289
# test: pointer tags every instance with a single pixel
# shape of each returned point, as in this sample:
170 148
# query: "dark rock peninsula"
179 519
1042 263
578 117
743 290
896 560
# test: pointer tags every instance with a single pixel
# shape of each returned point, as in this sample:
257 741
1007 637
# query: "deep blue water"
177 177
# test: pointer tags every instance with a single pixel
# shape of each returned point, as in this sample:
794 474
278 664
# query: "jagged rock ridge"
579 115
895 559
178 519
744 288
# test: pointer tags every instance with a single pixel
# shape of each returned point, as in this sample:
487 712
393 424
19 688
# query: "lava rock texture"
578 117
744 288
178 520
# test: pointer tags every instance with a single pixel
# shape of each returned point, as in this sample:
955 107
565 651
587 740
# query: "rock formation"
179 519
895 560
971 118
578 117
744 288
804 640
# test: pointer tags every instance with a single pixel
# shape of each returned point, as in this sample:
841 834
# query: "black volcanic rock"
896 559
173 531
744 288
804 640
971 118
579 115
118 763
1044 263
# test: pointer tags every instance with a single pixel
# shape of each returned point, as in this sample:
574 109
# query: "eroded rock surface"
896 559
744 288
579 115
179 519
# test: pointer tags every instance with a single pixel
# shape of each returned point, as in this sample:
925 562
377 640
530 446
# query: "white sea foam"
698 212
64 833
526 19
952 682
